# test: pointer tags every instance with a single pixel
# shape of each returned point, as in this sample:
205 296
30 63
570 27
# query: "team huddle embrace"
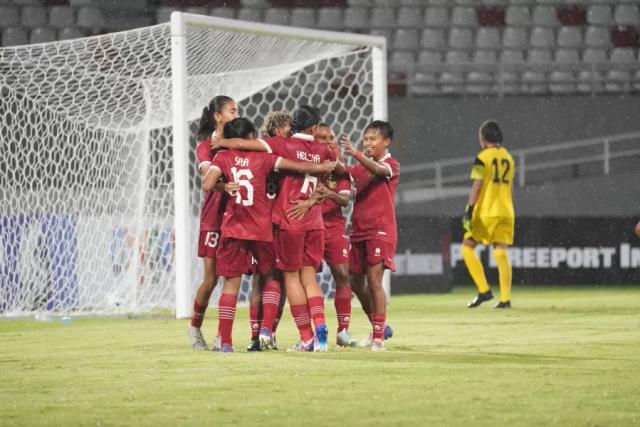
273 209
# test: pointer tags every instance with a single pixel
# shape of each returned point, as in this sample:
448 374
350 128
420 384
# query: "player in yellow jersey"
489 215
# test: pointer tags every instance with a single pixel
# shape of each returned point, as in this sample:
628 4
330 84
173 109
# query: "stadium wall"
596 196
435 128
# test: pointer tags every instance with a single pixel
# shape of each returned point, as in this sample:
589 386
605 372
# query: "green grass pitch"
560 357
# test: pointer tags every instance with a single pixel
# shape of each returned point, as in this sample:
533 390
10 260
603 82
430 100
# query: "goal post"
100 194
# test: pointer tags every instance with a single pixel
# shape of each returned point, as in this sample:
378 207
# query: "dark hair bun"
305 117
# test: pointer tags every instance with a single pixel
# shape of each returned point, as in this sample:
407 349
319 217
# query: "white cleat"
343 339
217 344
197 340
377 345
366 342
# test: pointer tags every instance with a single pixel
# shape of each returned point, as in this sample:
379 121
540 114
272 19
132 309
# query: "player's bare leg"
375 274
299 310
227 311
504 274
476 271
342 301
200 304
255 307
315 301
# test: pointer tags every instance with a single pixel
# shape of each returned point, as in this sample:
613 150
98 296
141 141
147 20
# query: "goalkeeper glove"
466 218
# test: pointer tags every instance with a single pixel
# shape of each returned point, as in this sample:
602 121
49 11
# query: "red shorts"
336 248
371 252
234 257
298 248
208 243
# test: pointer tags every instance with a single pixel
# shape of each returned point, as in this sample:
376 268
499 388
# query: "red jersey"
331 211
214 201
374 213
301 148
248 214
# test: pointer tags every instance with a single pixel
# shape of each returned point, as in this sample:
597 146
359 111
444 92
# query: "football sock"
378 320
270 303
254 320
342 302
198 314
316 308
280 312
226 315
475 268
504 273
300 315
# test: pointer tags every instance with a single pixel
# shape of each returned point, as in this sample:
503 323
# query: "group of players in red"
273 208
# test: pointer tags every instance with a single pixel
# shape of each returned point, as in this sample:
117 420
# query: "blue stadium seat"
71 33
276 16
545 16
598 37
223 12
410 17
461 38
542 37
34 16
356 18
303 17
515 38
488 38
250 14
382 18
61 16
330 18
464 17
405 39
599 15
9 17
14 36
42 35
433 38
90 18
436 17
627 14
570 37
518 16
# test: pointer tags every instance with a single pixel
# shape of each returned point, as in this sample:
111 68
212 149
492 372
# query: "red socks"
342 301
198 314
226 315
270 303
316 309
254 320
300 315
378 320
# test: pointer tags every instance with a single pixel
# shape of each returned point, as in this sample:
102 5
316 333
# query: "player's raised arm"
243 144
374 167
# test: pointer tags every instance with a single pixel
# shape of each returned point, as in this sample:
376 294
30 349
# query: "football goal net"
99 188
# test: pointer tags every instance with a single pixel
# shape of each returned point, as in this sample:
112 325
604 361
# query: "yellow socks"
476 270
504 271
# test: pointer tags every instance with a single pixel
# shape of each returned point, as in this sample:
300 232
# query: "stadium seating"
541 46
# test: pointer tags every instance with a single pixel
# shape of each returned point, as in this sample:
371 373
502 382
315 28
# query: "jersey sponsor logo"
331 182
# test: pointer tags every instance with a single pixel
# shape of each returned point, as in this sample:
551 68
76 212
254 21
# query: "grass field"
560 357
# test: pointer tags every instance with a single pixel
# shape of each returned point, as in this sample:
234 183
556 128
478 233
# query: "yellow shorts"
491 230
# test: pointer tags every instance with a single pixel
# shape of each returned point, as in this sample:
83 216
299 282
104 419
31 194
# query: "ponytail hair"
207 122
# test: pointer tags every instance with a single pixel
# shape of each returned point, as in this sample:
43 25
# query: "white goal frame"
183 256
